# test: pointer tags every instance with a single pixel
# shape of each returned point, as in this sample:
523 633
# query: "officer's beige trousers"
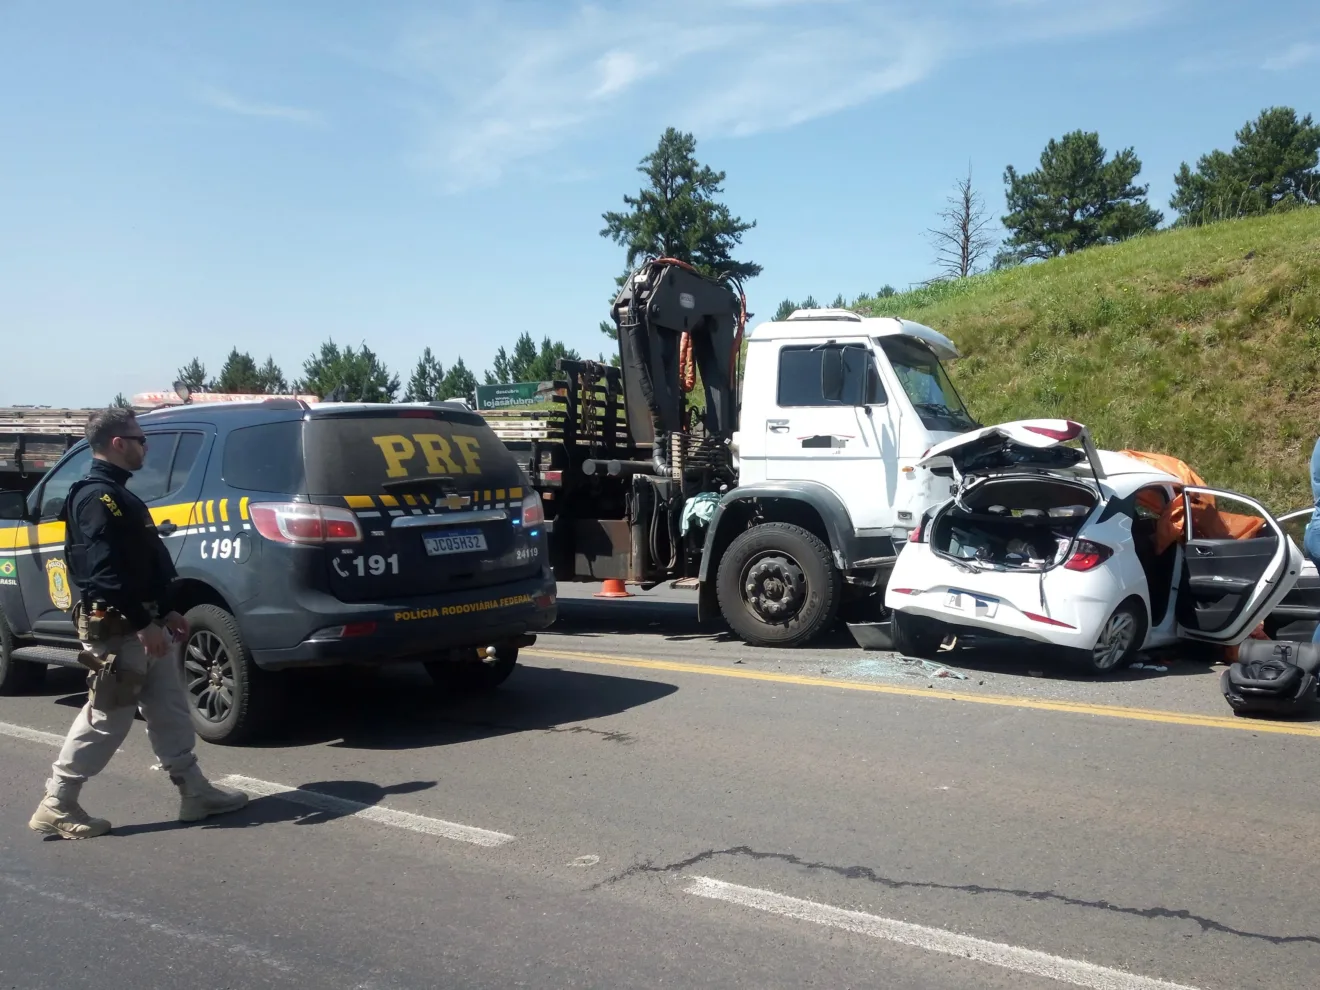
96 735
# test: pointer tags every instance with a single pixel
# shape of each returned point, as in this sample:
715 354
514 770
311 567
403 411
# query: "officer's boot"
199 798
60 814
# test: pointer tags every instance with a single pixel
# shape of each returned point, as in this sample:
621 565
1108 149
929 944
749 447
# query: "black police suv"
304 535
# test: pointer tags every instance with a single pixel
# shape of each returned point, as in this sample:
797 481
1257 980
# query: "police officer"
130 636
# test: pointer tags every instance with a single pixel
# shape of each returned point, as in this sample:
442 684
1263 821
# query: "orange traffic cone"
613 588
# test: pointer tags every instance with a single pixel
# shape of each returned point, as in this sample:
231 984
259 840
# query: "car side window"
1151 502
58 482
151 481
800 380
185 456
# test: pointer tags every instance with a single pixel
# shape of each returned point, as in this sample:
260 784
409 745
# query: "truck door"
1238 564
831 423
43 574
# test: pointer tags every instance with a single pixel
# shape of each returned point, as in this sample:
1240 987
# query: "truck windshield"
927 385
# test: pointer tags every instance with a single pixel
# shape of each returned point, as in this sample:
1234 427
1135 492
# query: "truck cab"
852 403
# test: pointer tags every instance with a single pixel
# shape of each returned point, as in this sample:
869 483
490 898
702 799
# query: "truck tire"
230 698
16 676
471 675
917 636
777 585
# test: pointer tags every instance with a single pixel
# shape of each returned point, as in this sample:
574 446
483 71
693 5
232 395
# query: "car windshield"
927 385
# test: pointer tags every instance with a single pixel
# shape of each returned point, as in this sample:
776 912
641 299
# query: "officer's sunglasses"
138 437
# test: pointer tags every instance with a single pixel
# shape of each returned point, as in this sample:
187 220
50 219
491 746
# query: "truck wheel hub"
774 588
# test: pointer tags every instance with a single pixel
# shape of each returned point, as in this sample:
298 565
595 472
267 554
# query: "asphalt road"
645 804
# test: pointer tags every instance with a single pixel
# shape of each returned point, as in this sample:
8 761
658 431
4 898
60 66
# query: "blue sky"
177 178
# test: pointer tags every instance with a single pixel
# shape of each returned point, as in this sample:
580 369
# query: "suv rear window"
265 458
367 453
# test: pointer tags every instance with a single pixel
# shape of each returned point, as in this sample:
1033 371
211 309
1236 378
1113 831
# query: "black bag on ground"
1272 678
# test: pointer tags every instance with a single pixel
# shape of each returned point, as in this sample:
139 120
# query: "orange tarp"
1207 521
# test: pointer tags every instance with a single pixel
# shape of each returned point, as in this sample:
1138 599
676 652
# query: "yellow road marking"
1005 701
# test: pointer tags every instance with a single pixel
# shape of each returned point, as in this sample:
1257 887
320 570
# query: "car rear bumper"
336 632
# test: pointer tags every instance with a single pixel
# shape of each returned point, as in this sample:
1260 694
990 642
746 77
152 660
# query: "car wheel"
917 636
16 676
467 673
777 585
230 698
1122 635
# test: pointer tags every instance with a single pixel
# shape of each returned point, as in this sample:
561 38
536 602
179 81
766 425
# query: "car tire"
1120 639
778 558
917 636
230 698
469 674
16 676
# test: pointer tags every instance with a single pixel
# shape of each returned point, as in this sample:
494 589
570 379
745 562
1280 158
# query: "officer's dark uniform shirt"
123 561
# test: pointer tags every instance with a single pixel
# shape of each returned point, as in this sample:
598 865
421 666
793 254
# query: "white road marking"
103 911
371 812
31 735
1029 961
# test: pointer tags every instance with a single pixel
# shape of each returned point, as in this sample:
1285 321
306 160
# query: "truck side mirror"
831 374
13 506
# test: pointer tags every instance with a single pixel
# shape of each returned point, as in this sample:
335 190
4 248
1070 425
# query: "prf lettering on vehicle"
438 453
486 606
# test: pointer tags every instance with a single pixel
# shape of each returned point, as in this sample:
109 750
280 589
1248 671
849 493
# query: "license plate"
977 605
458 541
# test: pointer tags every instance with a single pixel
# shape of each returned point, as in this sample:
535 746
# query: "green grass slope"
1201 343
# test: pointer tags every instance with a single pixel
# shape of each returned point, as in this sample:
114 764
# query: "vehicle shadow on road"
397 707
273 810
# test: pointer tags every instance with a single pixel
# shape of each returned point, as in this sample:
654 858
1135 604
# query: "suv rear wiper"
444 484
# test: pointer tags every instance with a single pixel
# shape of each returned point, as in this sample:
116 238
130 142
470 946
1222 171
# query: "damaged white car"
1047 542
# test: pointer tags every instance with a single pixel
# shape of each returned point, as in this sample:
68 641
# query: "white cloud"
221 99
1295 55
501 85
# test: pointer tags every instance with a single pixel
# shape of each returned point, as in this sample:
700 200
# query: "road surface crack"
869 875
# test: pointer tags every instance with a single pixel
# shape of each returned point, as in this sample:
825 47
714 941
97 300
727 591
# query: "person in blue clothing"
1311 541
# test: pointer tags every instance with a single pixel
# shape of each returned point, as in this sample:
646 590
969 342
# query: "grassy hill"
1201 343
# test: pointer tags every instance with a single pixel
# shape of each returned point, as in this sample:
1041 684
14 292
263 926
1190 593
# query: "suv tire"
779 562
16 676
917 636
470 674
221 678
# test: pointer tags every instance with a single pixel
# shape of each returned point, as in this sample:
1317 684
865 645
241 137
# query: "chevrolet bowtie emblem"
456 501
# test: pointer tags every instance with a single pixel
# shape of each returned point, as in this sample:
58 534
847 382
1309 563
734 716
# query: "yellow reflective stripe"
14 537
210 511
486 493
360 501
52 532
410 500
499 494
389 501
224 510
242 507
515 493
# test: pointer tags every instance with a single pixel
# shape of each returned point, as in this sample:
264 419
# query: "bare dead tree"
961 241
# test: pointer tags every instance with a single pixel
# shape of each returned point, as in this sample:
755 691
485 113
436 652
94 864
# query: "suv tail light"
304 523
533 512
1087 555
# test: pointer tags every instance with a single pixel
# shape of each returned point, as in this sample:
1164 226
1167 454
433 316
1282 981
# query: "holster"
114 685
111 683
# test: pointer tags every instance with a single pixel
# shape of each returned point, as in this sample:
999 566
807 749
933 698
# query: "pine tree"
121 401
271 378
348 375
676 215
1074 200
193 376
786 309
424 384
239 375
1272 166
459 382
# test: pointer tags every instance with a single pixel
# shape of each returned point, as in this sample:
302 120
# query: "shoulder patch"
110 504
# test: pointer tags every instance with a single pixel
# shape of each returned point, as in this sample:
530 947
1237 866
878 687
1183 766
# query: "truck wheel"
917 636
16 676
468 674
777 585
231 699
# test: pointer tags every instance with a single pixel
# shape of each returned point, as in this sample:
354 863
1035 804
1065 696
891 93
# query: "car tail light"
1070 432
304 523
918 534
533 512
350 631
1046 620
1087 555
905 591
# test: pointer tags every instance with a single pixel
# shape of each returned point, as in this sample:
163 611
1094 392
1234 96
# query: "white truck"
783 497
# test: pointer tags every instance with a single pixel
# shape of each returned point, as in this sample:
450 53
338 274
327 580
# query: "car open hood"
1025 445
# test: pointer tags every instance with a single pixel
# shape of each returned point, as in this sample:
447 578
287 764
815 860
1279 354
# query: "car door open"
1234 571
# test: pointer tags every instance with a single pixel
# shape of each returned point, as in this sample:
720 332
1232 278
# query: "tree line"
1078 196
